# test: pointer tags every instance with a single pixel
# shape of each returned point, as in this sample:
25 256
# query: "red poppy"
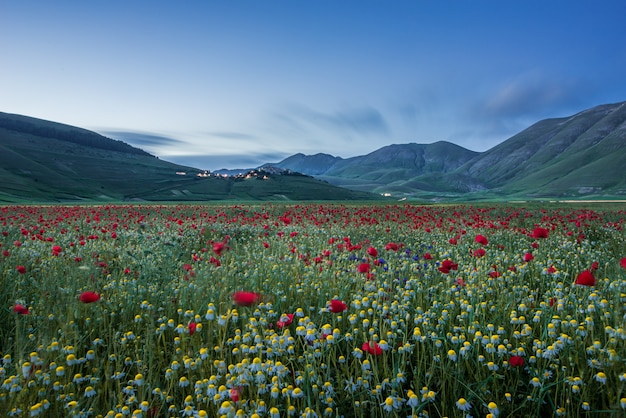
481 239
539 233
447 265
56 250
234 394
20 269
20 309
364 268
622 262
585 278
551 270
595 265
460 282
372 347
266 244
479 253
337 306
528 257
453 241
89 297
372 251
494 274
427 256
392 246
218 248
192 328
246 298
516 361
285 320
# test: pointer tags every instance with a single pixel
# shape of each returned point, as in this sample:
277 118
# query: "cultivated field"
313 310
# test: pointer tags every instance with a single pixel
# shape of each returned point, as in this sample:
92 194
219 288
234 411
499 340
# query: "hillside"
581 156
42 161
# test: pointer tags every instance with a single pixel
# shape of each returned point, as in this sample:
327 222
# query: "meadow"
312 310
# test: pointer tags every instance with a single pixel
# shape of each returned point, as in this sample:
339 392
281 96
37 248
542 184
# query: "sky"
240 83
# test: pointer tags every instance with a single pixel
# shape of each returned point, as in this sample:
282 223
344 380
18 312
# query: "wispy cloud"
231 161
142 139
346 123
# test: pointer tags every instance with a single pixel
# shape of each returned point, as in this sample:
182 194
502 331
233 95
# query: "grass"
166 337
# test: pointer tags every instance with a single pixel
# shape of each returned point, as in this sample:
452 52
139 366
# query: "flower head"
539 233
481 239
516 361
336 306
20 309
246 298
89 297
585 278
372 347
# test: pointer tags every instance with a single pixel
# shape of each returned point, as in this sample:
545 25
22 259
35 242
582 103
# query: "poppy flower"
528 257
20 269
218 248
481 239
595 265
89 297
453 241
427 256
539 233
447 265
372 347
246 298
585 278
516 361
392 246
622 262
285 320
364 268
337 306
234 394
479 253
192 328
372 251
20 309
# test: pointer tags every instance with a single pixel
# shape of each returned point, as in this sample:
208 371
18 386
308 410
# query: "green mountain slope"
583 155
42 161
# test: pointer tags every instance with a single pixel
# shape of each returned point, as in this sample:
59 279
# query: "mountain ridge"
572 156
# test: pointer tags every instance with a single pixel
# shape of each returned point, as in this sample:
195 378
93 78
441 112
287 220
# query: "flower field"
312 311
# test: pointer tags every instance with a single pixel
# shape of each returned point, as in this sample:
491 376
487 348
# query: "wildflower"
364 268
20 269
539 233
373 252
585 278
535 382
192 327
601 377
479 253
481 239
463 405
20 309
372 347
452 355
90 392
337 306
89 297
285 320
493 409
447 265
528 257
516 361
622 262
246 298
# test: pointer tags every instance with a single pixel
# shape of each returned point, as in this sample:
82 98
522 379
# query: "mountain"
583 155
43 161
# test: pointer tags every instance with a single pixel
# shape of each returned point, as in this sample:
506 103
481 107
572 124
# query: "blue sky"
234 84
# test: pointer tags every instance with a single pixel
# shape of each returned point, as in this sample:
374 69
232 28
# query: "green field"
364 310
